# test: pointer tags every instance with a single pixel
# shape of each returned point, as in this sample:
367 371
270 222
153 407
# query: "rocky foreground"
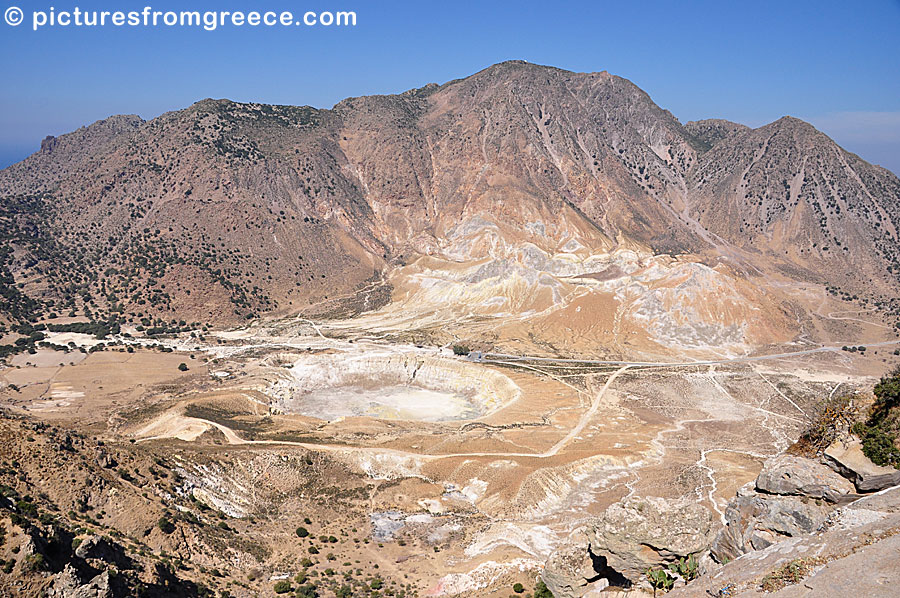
807 527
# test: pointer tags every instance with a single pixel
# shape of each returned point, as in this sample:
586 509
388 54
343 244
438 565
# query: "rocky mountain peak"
468 170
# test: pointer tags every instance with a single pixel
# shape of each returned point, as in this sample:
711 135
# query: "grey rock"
854 554
67 584
636 534
791 475
570 568
885 501
97 547
616 548
105 460
756 522
847 459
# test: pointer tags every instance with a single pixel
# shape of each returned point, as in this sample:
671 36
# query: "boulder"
105 460
615 549
847 459
791 475
97 547
636 534
68 584
570 568
756 522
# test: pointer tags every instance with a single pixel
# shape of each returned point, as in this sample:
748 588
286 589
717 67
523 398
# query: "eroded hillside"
516 191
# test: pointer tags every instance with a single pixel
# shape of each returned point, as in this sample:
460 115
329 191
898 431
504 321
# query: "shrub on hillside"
881 429
283 587
541 590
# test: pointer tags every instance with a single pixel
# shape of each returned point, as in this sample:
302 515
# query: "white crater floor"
404 386
390 402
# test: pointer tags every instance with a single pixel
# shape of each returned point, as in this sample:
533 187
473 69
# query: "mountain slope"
712 131
792 193
511 191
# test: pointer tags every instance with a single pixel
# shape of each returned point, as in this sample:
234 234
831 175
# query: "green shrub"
460 350
518 588
307 591
880 431
165 525
34 562
887 394
283 587
26 508
302 532
879 446
541 590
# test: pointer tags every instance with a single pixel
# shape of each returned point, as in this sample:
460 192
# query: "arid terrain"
414 345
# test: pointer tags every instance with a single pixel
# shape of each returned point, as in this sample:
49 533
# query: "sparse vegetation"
788 574
686 567
659 579
215 211
832 418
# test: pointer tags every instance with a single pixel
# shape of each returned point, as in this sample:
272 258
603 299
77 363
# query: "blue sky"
836 64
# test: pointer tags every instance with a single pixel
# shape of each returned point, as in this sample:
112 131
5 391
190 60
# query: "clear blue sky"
836 64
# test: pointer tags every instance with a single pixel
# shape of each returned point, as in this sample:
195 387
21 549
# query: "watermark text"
209 20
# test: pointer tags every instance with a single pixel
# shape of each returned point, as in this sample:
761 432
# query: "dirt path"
586 416
496 357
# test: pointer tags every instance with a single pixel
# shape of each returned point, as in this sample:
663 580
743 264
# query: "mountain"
503 195
791 190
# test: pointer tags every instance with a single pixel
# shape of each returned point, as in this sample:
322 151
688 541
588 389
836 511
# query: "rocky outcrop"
105 460
791 475
570 569
67 584
792 496
862 537
848 460
617 548
756 521
97 547
636 534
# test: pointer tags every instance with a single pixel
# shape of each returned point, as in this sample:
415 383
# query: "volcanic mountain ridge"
522 192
